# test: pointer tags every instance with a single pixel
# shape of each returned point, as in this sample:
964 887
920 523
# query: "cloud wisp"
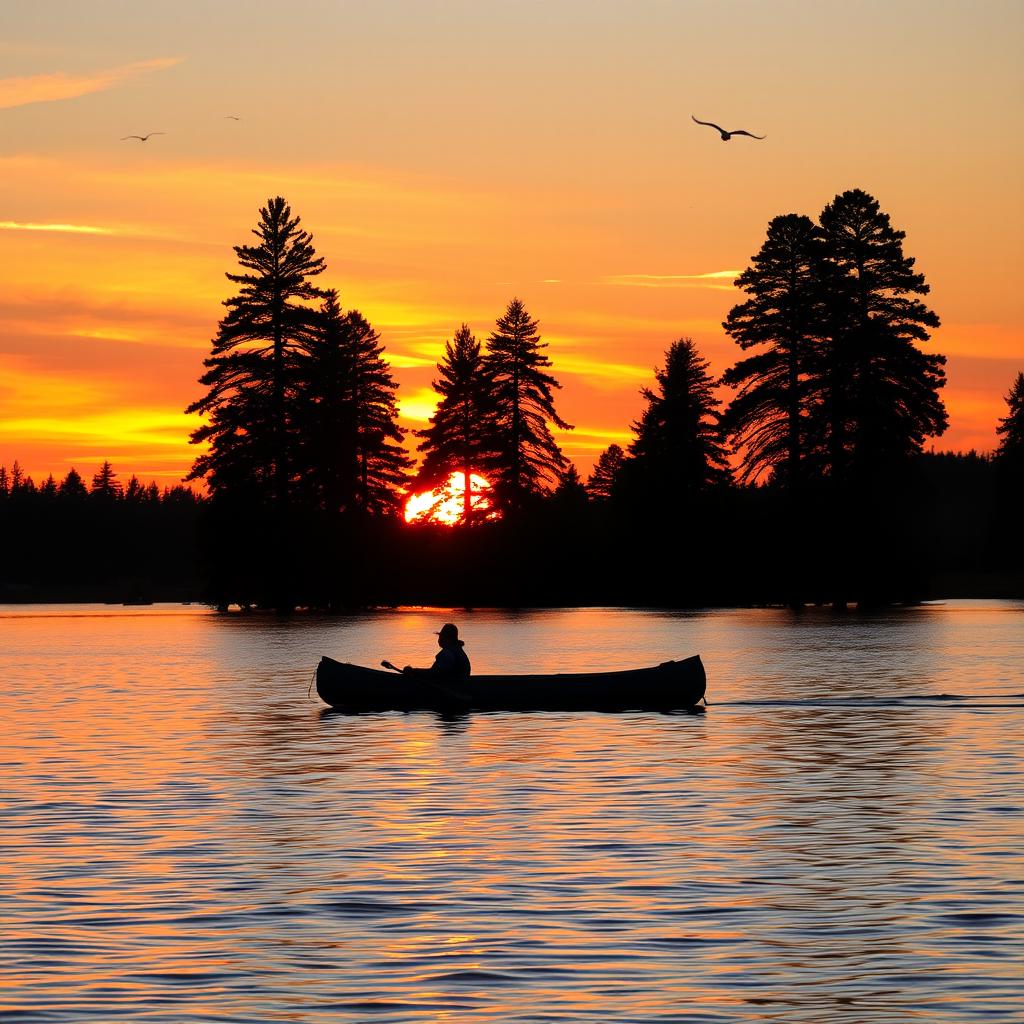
597 368
70 229
61 85
715 279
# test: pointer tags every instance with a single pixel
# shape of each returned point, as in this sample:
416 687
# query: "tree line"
833 400
98 541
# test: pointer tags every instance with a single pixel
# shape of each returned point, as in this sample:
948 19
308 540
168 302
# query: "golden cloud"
591 440
418 405
70 229
59 85
404 362
709 280
595 367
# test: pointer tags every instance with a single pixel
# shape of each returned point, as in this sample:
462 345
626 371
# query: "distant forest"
811 484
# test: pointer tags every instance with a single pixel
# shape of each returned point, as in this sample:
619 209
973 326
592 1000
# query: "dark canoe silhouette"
666 687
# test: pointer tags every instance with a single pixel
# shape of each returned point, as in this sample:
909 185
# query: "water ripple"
188 839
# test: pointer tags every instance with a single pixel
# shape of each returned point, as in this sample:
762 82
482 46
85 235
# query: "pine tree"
134 491
784 316
605 473
104 483
880 392
383 461
326 419
26 487
21 485
249 371
1011 426
529 457
677 452
462 436
1009 464
353 458
73 486
5 482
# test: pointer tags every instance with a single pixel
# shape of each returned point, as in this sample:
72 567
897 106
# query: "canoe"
673 685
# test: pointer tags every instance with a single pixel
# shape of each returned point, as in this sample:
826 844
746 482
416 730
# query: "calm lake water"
188 838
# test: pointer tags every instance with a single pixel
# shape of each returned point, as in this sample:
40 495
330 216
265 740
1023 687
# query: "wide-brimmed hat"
449 631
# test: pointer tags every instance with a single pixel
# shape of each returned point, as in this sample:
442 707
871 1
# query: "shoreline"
942 586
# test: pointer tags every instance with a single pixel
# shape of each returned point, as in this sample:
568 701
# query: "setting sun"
447 502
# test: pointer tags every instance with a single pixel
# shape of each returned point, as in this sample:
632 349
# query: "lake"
188 837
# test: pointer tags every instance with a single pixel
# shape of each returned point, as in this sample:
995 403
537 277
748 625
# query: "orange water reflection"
192 833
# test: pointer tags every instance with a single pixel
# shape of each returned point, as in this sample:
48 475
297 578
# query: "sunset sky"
449 156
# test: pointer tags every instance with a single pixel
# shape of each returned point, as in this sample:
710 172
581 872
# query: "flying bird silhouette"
726 136
141 138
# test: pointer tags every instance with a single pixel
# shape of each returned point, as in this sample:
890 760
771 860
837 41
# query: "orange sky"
447 156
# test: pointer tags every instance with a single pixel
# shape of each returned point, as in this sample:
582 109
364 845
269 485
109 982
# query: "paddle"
394 668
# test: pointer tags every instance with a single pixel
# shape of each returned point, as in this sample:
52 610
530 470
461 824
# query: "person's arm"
441 666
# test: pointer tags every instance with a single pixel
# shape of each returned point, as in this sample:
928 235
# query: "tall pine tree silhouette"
249 371
462 436
528 459
783 317
1011 426
880 391
677 453
325 419
1009 466
351 457
381 461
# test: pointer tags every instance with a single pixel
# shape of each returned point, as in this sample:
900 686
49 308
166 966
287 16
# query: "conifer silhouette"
784 318
249 371
1011 426
677 452
134 492
73 486
382 462
605 473
1009 464
326 417
105 485
880 392
528 458
350 455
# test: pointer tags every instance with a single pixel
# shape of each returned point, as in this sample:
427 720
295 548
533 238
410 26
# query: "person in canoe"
451 663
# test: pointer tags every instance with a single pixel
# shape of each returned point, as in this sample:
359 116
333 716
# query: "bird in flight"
726 136
141 138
